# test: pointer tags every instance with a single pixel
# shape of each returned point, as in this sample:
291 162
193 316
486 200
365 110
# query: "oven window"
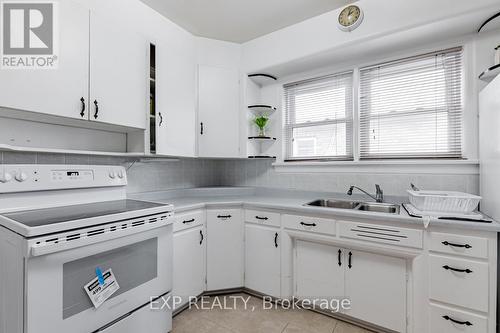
132 265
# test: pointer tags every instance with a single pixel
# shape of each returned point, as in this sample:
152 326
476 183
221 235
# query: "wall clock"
350 18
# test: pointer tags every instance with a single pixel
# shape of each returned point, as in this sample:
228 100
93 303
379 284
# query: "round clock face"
350 18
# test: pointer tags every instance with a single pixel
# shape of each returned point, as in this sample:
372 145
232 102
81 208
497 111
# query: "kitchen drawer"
467 289
312 224
459 244
188 220
262 217
382 234
442 320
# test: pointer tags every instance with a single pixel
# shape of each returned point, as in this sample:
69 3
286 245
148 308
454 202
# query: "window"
412 108
318 118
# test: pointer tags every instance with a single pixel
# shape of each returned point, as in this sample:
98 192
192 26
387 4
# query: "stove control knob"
21 176
5 177
112 174
120 174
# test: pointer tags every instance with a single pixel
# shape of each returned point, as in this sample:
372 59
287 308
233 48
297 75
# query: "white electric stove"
60 226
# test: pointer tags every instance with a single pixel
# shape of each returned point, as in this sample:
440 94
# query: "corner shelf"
262 157
261 138
260 109
490 73
262 79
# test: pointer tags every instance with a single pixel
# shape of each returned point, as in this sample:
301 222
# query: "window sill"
461 167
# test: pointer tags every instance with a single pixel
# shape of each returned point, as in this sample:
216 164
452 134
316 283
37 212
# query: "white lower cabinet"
319 271
262 259
449 275
447 320
276 255
225 254
376 286
189 263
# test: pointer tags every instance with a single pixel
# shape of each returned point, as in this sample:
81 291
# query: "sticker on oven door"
101 287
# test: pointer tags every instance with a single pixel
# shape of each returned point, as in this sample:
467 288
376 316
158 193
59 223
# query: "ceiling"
240 20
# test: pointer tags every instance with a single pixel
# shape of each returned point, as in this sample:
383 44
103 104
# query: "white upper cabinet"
118 73
55 91
175 101
218 112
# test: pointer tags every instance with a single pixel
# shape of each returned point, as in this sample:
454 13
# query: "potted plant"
261 122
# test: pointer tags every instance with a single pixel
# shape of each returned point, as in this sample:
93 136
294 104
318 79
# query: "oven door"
55 296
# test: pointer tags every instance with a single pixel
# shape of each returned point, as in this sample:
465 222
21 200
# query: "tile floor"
252 318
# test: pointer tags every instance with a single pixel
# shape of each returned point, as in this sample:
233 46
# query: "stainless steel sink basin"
354 205
341 204
379 208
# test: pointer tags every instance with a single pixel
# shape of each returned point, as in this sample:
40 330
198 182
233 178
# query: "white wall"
211 52
382 18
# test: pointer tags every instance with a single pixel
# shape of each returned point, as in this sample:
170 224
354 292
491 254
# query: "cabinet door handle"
349 264
468 271
82 112
467 323
224 216
261 218
201 128
340 257
161 118
276 240
308 224
96 114
188 221
201 239
467 246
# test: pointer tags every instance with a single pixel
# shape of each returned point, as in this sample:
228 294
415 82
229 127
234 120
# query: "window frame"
288 128
468 142
445 110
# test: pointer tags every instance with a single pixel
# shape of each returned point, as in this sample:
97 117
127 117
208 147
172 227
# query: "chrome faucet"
379 196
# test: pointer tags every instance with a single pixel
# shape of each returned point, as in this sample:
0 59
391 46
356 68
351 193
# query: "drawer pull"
308 224
349 264
467 246
224 216
468 271
467 323
276 240
188 221
201 239
262 218
340 257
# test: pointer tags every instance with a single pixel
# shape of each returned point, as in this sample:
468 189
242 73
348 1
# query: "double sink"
354 205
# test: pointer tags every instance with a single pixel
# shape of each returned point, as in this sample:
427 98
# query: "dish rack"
444 201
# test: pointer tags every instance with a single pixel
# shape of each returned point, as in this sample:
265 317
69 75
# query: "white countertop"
291 201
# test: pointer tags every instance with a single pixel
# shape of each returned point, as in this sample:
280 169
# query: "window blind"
412 108
318 118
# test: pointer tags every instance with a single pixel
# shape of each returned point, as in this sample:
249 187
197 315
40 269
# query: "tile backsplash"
261 173
142 177
189 173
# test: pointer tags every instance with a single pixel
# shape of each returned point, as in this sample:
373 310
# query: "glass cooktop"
45 216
